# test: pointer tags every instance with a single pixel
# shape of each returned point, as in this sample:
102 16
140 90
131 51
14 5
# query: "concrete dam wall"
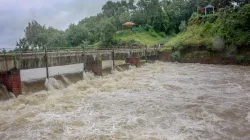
38 60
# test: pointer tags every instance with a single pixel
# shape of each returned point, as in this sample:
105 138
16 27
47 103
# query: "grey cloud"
56 13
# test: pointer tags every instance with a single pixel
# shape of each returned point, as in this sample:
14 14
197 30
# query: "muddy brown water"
168 101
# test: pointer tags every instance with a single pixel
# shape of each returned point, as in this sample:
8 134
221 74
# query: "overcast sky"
15 15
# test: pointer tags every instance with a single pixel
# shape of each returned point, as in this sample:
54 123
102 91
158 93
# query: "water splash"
66 79
113 70
131 67
4 93
52 83
88 76
24 88
12 95
120 69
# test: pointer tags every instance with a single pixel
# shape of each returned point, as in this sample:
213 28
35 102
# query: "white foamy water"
166 101
119 68
52 83
66 80
4 94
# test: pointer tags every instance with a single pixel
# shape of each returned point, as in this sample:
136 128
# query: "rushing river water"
168 101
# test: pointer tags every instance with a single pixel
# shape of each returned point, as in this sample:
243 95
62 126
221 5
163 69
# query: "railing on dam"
28 59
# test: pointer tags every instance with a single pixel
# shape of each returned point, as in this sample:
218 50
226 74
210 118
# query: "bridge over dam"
10 65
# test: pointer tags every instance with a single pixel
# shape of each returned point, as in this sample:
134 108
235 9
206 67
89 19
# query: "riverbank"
202 56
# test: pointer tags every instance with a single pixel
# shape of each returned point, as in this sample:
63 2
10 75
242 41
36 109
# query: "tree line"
164 16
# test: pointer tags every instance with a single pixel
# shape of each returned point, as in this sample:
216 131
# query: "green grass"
141 38
194 36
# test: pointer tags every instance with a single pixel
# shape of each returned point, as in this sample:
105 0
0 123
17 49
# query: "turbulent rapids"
157 101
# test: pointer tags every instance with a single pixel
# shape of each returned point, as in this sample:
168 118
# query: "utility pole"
113 58
84 56
83 59
20 57
6 64
46 62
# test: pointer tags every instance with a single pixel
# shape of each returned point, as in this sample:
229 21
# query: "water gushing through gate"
4 94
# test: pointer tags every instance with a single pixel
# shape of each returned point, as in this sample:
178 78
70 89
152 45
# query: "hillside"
225 34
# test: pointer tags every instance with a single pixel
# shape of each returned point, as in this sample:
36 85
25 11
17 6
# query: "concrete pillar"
133 61
12 80
96 66
165 56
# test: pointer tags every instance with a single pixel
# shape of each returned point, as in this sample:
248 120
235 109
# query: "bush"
152 33
183 26
162 34
197 55
176 56
212 18
240 58
231 50
194 19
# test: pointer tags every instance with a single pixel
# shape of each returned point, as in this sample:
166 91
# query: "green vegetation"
176 24
229 25
176 56
160 18
223 33
139 38
194 36
197 55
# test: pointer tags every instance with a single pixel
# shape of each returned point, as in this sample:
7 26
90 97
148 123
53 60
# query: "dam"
10 65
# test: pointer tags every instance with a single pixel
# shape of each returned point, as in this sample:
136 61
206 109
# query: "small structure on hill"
235 4
209 9
129 25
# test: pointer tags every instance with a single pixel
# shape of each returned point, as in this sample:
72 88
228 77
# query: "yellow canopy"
129 24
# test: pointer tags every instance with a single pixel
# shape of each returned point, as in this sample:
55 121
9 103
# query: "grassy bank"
140 38
194 36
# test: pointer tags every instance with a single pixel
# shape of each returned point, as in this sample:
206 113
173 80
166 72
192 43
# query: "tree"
43 40
76 34
33 33
131 5
22 44
179 10
109 8
56 38
107 33
139 18
124 17
183 26
160 21
93 25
